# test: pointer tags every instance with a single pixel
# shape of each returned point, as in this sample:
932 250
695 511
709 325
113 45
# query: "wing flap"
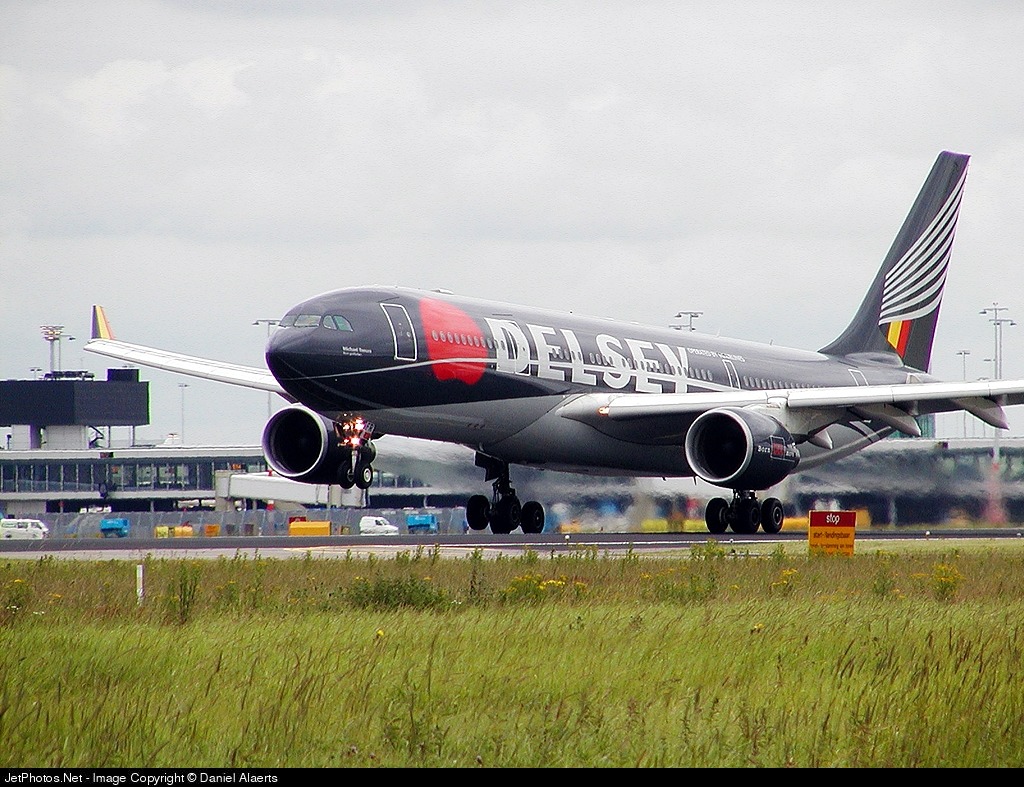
983 399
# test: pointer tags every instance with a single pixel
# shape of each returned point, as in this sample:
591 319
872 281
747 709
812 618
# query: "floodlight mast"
52 334
996 511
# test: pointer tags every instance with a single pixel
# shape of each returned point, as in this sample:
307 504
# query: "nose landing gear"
357 435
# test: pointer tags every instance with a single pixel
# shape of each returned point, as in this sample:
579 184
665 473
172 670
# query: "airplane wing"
893 404
104 343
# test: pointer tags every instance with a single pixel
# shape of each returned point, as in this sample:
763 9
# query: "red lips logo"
452 338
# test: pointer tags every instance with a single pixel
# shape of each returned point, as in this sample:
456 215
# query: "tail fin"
901 309
100 325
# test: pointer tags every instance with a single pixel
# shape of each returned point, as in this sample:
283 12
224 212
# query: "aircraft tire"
507 515
364 476
478 511
714 515
772 515
747 517
346 478
532 518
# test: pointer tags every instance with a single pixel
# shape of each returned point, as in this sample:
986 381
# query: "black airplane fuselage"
487 374
561 391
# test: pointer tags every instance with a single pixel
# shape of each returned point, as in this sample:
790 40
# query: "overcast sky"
199 166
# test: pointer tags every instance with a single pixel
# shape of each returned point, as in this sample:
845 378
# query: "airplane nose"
286 352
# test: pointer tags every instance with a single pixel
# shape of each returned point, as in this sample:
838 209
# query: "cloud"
198 165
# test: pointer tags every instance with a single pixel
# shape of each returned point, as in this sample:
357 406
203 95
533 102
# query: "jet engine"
302 446
740 449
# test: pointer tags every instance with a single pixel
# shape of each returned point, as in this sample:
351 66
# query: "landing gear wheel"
714 515
747 516
772 515
507 515
364 476
346 476
478 510
532 517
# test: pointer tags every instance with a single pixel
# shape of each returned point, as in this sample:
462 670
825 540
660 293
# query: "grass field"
718 658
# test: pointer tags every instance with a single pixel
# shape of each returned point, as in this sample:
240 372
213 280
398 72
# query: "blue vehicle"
114 528
421 523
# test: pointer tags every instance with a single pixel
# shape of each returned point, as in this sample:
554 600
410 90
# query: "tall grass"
714 659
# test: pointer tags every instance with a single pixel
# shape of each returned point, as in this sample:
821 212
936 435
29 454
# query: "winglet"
100 326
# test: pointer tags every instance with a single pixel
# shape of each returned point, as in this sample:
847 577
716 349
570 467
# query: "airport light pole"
270 324
997 325
963 357
183 386
52 334
996 511
35 371
60 350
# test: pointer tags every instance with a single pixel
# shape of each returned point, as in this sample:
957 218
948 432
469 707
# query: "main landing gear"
744 514
357 469
503 512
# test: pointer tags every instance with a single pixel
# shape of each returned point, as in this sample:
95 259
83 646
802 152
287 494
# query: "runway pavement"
464 545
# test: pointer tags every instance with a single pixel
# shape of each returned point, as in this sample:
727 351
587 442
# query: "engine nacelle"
740 449
302 446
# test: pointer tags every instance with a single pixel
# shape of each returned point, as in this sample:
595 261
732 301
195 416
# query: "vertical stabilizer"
901 309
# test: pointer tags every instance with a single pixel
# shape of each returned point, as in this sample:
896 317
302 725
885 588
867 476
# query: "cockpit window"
333 321
338 322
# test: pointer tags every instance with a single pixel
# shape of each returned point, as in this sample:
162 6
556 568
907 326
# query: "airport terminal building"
59 461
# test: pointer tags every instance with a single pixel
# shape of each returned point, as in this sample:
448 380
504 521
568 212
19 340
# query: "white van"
23 528
377 526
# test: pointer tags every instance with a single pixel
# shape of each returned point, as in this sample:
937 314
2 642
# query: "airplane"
538 387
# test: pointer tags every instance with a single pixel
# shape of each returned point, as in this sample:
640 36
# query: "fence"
259 522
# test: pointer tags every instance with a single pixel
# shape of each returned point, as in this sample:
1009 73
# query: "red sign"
831 532
833 518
